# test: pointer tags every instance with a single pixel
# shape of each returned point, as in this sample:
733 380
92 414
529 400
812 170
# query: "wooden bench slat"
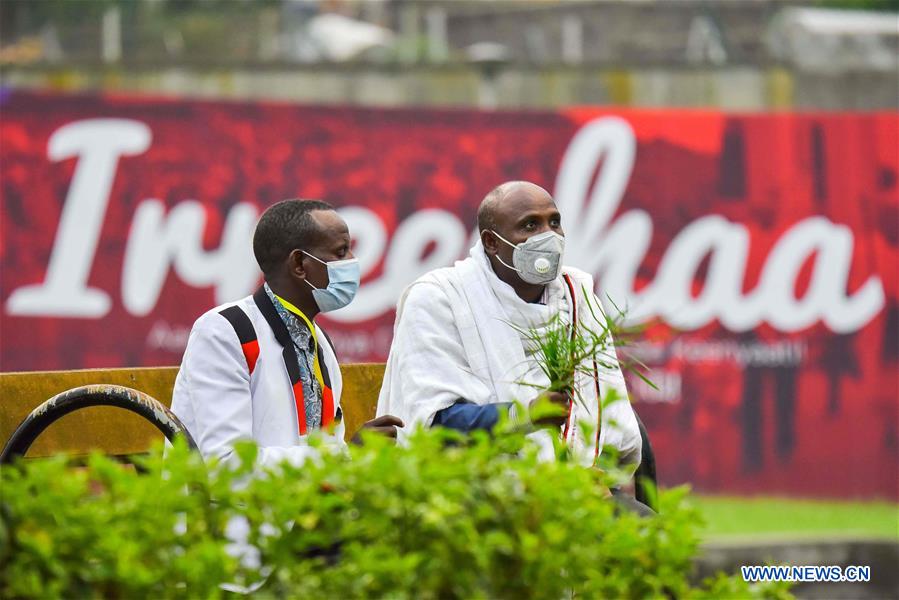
116 431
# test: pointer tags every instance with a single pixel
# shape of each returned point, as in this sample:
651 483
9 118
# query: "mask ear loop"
313 258
502 262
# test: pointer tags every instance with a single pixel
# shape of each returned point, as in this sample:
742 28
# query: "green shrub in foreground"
474 518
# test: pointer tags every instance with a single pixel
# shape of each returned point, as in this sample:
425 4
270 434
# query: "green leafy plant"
562 352
448 516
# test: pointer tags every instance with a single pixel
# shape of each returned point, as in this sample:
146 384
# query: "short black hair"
284 227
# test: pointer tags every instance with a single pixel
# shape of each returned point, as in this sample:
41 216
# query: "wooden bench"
117 432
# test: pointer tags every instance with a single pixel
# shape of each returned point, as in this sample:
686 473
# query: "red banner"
763 247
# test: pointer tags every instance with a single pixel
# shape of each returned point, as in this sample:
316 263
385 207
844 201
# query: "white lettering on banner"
726 243
428 239
666 388
164 336
615 251
406 260
156 243
826 297
785 352
98 144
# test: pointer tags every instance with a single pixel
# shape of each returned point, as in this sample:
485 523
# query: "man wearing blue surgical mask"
461 356
260 368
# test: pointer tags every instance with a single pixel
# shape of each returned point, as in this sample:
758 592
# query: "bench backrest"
116 431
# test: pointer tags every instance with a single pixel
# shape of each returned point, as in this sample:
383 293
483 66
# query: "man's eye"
530 225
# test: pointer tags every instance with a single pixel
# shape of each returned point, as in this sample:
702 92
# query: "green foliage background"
446 517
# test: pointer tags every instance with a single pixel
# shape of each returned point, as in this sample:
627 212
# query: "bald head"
512 196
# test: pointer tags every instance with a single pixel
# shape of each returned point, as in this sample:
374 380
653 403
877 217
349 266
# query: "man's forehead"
330 229
524 200
329 222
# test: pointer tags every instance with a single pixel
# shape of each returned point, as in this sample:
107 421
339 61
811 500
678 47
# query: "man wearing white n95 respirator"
460 354
260 368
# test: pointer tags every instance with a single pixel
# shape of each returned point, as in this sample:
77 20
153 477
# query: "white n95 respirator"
538 259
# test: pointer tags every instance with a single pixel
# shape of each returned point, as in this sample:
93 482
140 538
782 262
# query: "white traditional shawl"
454 339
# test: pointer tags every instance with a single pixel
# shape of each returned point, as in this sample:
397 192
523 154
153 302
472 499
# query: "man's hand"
385 425
550 409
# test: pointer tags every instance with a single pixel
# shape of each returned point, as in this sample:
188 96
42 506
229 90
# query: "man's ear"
490 243
295 264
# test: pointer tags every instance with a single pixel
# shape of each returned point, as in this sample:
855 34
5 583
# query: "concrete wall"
734 88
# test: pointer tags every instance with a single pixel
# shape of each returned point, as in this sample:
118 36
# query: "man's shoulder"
213 333
214 321
430 290
579 277
433 280
439 276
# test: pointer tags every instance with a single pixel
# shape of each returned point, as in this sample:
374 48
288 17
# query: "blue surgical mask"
343 281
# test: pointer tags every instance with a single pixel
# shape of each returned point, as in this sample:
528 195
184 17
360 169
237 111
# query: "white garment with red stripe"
454 339
221 402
